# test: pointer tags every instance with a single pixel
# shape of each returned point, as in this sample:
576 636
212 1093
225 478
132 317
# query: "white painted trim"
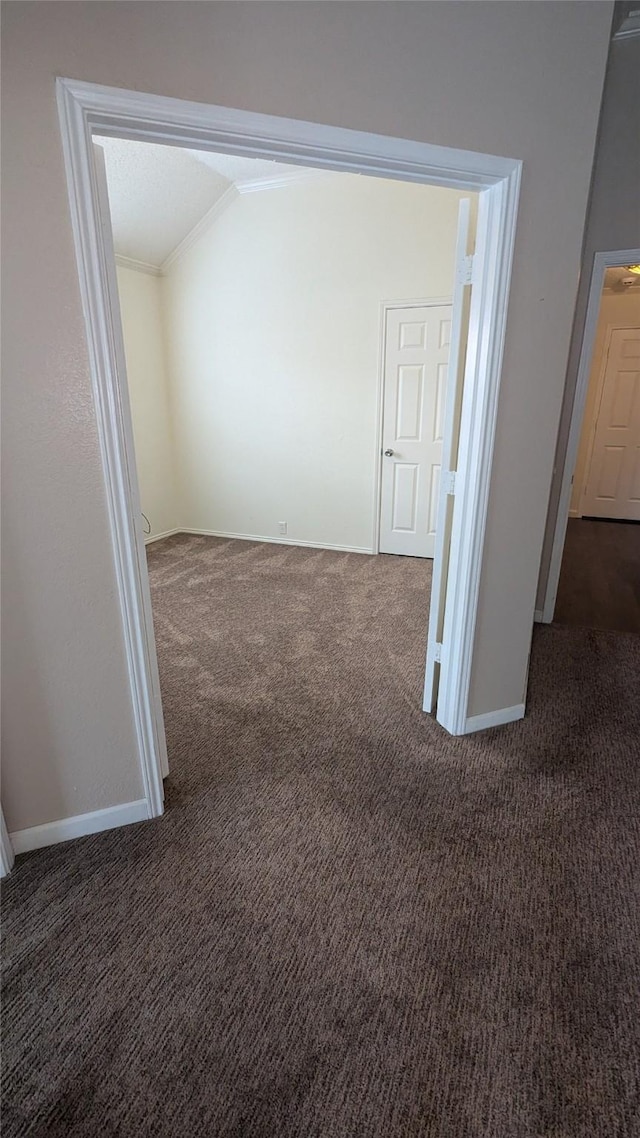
378 428
385 307
79 825
211 216
200 228
279 181
537 616
99 294
114 111
421 302
494 718
574 514
7 855
85 108
493 257
602 261
276 540
138 266
149 538
448 467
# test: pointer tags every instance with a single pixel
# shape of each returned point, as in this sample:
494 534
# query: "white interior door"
449 450
415 375
612 489
146 642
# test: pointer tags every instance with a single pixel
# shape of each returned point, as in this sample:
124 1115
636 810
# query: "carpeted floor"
347 923
599 584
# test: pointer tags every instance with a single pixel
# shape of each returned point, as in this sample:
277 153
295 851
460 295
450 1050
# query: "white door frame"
387 306
601 262
6 849
85 109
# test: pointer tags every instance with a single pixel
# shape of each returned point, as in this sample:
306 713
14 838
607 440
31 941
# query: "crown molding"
235 190
219 206
257 185
138 266
199 228
630 26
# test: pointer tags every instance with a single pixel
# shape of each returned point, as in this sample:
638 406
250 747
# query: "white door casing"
149 717
612 485
86 109
459 313
6 848
415 375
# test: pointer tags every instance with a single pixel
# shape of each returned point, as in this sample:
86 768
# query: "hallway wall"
613 222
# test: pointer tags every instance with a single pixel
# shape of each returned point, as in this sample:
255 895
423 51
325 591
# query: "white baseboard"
6 849
278 540
35 837
575 513
538 616
148 538
494 718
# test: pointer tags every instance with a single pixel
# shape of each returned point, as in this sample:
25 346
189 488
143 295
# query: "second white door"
415 375
613 482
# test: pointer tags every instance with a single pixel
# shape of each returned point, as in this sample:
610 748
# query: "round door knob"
389 453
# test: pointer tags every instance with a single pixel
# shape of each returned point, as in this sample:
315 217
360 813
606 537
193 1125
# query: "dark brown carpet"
347 923
599 583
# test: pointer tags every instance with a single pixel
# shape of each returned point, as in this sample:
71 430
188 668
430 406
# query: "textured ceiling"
158 193
613 278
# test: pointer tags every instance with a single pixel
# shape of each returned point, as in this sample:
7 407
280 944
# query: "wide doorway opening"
480 290
287 418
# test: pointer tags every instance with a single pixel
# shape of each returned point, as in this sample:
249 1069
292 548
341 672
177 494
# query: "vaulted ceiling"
157 194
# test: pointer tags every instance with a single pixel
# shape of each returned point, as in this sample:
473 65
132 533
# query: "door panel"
416 358
612 489
405 494
409 403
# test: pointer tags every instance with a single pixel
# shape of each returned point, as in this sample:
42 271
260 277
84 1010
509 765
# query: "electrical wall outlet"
282 528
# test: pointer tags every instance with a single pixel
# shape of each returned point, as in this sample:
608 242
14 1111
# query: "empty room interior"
320 799
599 585
286 334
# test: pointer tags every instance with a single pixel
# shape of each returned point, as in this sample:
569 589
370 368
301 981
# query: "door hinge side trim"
448 478
464 272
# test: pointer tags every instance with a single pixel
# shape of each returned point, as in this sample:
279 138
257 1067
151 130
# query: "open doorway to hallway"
599 583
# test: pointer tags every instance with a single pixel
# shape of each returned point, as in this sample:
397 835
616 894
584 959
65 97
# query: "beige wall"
142 325
613 222
618 309
520 80
273 335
